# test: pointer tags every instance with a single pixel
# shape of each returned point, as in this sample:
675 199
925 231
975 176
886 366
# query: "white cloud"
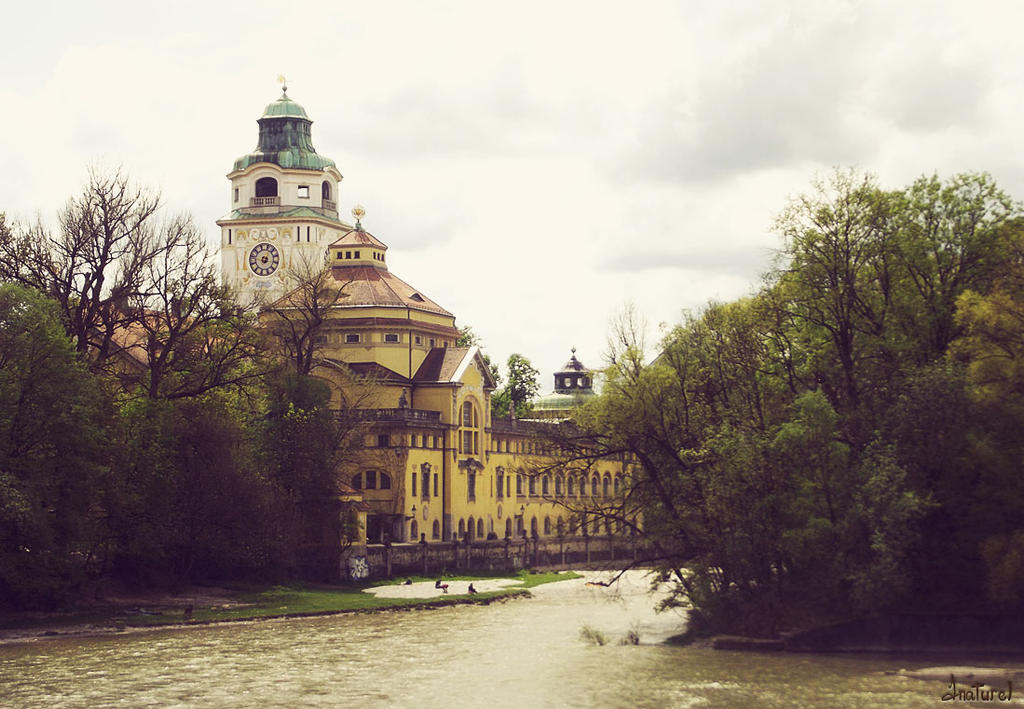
532 166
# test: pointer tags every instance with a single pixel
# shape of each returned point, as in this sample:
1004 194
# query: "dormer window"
303 191
325 190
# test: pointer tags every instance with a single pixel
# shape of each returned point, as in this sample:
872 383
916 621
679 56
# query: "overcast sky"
532 166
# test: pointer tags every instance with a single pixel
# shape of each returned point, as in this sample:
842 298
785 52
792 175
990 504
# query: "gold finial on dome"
284 84
358 212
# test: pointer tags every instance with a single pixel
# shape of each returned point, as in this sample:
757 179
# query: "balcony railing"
264 201
331 205
419 415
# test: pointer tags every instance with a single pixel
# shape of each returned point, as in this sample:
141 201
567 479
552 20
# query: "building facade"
437 467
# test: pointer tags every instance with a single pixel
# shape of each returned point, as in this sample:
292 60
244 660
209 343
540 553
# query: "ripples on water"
522 654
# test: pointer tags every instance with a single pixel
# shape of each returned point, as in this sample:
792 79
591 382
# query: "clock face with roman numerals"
264 259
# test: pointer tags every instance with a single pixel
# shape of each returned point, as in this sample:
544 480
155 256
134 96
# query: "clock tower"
284 208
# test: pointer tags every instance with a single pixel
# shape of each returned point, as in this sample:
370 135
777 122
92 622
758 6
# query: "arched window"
519 484
583 486
606 488
593 486
479 529
560 526
545 485
470 528
547 526
533 526
533 485
508 528
357 481
572 486
558 486
414 531
385 481
266 187
519 525
435 532
325 190
618 484
462 528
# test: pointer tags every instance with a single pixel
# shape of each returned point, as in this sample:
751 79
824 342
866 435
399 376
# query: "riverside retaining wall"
432 558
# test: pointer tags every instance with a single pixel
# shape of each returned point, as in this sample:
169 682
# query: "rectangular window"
236 194
355 254
431 341
467 441
419 339
307 235
390 337
371 480
471 485
303 191
351 338
414 484
383 441
435 484
229 237
348 254
426 485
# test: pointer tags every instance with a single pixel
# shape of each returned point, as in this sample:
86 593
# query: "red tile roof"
358 237
369 285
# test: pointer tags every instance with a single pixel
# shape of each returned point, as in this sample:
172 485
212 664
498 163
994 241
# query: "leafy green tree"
514 397
307 447
51 454
951 239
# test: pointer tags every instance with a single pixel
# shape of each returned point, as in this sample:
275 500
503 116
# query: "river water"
524 653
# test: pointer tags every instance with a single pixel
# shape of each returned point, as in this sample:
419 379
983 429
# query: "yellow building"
438 468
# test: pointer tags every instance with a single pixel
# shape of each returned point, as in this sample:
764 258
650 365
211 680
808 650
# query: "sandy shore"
426 589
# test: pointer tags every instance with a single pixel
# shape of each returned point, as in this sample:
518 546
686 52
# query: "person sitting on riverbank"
471 589
442 586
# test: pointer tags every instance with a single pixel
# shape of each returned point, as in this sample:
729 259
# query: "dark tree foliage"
51 455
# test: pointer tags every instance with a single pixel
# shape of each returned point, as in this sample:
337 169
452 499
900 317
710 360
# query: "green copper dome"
284 106
285 139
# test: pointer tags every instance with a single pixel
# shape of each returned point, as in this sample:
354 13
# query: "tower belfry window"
266 187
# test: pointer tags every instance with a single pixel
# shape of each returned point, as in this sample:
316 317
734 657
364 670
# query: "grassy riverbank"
253 603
